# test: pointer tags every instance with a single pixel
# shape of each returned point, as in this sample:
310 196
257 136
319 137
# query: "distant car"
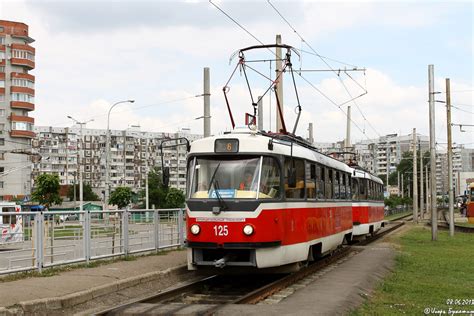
68 217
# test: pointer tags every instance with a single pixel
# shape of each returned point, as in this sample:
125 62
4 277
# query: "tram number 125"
221 230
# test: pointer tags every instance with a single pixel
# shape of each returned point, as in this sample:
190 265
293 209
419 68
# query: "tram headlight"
195 229
248 230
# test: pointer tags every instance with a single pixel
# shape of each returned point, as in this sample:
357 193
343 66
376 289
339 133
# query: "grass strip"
429 277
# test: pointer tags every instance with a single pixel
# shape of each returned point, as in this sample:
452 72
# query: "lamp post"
81 156
107 154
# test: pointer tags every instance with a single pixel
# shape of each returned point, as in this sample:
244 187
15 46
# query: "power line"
329 66
312 85
138 108
462 110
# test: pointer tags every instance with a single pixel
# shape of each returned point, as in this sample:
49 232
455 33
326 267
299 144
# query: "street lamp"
79 163
107 155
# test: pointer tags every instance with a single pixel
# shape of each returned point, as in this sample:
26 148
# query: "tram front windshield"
234 178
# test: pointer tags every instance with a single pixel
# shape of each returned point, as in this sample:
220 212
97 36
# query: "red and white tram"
367 204
262 201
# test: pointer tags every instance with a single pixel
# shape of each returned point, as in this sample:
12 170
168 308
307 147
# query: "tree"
160 196
47 190
89 195
121 197
174 198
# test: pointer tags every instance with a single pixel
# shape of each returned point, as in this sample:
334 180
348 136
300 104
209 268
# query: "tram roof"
251 142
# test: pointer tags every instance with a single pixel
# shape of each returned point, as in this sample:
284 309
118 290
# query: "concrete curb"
45 305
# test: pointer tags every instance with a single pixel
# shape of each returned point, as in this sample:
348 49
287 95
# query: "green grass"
397 216
426 274
464 224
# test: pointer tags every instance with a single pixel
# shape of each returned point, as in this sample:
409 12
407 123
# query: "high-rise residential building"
132 153
463 162
17 59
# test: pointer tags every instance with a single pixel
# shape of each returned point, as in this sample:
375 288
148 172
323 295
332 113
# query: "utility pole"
347 144
450 158
67 155
147 200
310 131
388 167
403 193
422 210
260 113
427 190
81 158
207 103
434 211
279 85
415 181
398 182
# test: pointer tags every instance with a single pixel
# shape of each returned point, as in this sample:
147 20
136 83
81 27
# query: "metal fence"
49 239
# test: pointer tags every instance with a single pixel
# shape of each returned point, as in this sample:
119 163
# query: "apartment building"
17 59
463 162
132 153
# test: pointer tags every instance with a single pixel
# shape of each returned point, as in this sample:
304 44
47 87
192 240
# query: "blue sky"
91 54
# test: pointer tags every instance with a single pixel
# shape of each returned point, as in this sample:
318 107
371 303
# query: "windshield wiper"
222 204
214 183
212 178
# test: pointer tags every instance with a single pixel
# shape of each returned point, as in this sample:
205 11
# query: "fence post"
180 227
125 231
87 236
156 222
39 241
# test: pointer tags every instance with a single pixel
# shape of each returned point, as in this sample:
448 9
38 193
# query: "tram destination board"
226 146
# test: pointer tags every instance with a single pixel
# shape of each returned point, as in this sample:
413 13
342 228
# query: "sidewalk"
69 289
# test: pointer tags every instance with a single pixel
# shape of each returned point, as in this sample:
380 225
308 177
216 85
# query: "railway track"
210 294
457 228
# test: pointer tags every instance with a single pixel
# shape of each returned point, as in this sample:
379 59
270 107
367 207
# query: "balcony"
23 62
22 105
22 134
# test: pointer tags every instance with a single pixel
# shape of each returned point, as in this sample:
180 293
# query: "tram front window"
234 178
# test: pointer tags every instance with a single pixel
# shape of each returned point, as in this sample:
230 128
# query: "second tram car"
367 203
257 200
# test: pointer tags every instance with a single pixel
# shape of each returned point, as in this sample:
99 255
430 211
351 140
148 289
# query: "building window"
2 170
22 126
2 128
2 68
2 83
22 83
23 97
2 55
24 54
2 38
2 97
1 184
2 156
2 141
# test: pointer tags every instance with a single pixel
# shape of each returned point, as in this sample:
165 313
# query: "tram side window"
348 186
337 192
8 219
270 179
363 189
310 180
298 192
329 181
343 186
355 189
320 182
369 191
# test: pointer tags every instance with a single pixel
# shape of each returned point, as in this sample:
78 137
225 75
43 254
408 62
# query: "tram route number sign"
223 193
226 146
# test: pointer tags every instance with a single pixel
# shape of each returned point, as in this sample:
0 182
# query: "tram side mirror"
291 178
166 177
